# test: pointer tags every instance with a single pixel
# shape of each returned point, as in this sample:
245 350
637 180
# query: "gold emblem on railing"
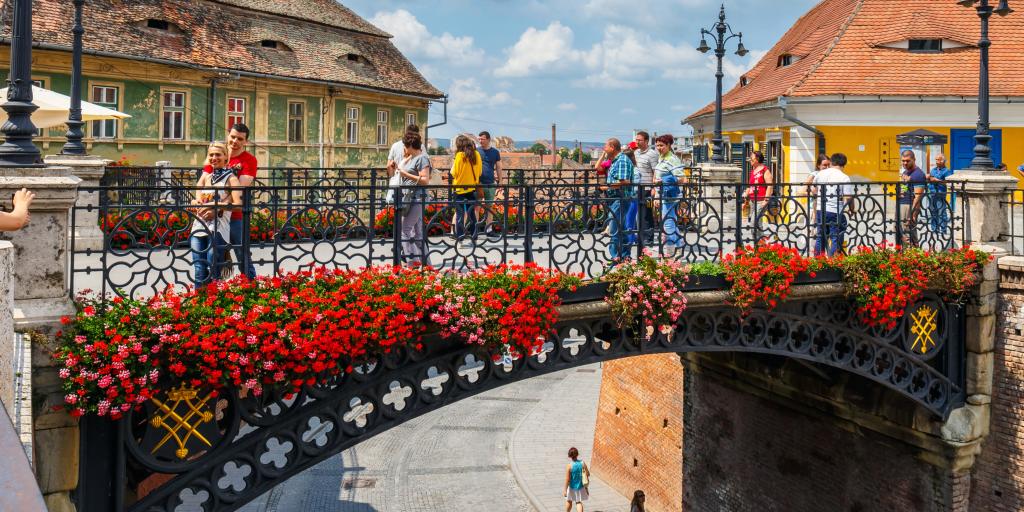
924 326
182 425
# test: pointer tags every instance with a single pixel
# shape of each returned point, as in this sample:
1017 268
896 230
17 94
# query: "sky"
596 68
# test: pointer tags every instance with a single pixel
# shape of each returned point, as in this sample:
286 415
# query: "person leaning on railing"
619 188
668 174
18 217
211 229
467 167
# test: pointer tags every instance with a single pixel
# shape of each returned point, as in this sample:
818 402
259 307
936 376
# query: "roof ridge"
828 52
368 30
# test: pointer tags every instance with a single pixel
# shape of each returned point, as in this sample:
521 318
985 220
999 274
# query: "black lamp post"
982 151
18 149
718 33
74 134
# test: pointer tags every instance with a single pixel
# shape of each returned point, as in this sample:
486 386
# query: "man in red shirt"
245 166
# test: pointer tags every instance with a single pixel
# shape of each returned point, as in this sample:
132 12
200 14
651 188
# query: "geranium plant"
647 289
762 274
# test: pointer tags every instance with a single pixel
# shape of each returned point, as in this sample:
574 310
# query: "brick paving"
500 451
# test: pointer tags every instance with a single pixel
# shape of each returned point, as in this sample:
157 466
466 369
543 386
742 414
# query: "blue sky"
597 68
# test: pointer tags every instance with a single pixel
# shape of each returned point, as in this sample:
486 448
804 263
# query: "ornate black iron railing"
568 224
188 448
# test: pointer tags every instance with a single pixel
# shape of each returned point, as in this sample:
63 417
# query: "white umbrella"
54 107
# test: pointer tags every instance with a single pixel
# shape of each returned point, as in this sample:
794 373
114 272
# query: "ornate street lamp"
982 152
18 149
74 134
718 33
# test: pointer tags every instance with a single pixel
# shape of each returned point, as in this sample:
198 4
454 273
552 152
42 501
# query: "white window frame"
411 118
352 115
235 116
172 112
301 119
115 131
383 119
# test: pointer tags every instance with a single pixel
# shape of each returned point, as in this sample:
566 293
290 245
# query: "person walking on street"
618 188
910 193
938 206
637 505
668 174
837 197
245 168
490 177
646 160
466 169
414 168
577 478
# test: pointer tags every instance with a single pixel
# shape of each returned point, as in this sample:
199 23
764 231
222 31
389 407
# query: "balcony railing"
565 220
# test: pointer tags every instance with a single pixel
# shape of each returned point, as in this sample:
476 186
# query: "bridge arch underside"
258 443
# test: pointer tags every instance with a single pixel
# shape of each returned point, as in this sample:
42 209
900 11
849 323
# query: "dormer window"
743 81
352 57
925 45
274 45
787 60
160 25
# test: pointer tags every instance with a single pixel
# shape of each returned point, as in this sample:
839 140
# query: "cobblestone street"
503 450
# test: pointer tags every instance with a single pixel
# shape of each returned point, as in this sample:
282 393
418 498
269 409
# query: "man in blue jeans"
619 188
836 198
938 206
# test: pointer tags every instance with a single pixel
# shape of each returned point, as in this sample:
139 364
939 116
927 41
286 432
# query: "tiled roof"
841 45
218 35
327 12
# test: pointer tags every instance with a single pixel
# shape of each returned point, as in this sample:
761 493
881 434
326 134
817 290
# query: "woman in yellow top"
466 169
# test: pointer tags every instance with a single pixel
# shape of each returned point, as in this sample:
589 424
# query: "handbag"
393 183
586 476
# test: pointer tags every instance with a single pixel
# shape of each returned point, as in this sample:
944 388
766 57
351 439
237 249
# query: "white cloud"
539 50
734 66
566 106
413 39
681 108
467 93
628 110
624 58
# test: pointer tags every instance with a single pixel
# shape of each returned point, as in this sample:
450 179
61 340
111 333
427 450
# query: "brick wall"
639 433
998 475
748 453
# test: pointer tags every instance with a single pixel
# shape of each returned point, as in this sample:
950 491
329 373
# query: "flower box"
589 292
699 283
827 275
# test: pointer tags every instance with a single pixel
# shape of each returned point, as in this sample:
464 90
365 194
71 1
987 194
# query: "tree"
575 155
437 151
539 149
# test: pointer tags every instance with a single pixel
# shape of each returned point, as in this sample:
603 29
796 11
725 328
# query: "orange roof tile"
841 45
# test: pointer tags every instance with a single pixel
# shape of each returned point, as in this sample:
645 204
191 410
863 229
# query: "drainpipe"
211 110
443 101
783 103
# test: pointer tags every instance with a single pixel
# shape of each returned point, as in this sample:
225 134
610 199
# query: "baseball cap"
632 145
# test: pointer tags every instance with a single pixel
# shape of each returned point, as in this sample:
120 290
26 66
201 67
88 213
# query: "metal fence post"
739 215
529 210
641 207
246 235
396 235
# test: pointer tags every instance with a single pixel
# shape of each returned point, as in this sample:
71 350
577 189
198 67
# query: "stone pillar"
724 178
90 169
986 217
9 353
41 248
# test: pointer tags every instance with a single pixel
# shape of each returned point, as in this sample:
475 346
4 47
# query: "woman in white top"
415 172
217 191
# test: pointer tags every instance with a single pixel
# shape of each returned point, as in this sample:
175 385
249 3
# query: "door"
962 147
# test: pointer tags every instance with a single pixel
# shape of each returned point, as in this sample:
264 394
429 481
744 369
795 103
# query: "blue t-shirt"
489 157
915 182
942 174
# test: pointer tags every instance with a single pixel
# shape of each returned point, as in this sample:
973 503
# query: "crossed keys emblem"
924 326
184 425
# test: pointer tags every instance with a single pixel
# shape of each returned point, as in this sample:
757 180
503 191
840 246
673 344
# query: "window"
352 57
925 45
352 125
382 127
236 111
296 120
105 96
173 117
40 83
786 60
158 24
410 118
743 81
274 44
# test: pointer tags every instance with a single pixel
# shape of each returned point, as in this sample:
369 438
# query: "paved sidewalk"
539 444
